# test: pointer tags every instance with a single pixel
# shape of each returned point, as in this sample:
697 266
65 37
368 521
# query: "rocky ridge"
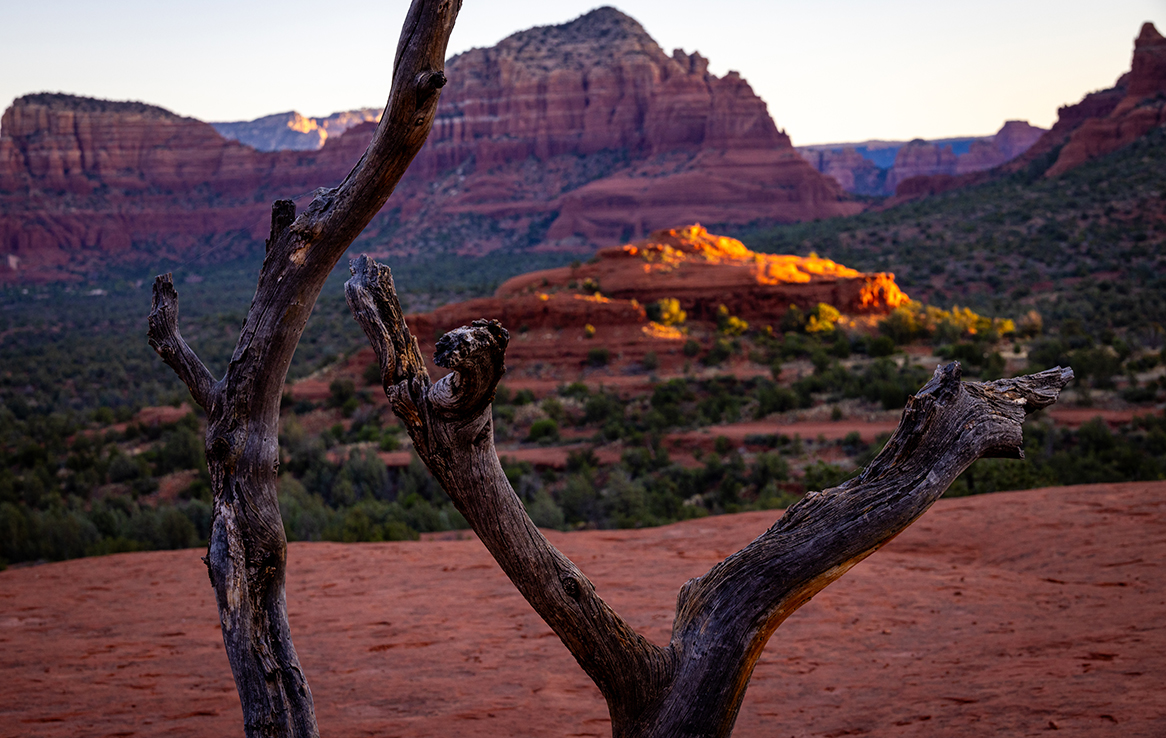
562 137
1101 123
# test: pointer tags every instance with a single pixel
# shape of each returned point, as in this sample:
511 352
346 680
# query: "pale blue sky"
830 70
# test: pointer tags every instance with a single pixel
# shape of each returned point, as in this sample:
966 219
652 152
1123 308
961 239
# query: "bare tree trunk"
694 686
246 558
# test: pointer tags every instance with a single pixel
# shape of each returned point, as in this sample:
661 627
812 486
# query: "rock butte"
562 137
1101 123
700 270
1011 614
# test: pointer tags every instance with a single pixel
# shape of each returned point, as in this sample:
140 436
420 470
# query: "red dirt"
1075 417
1006 614
738 432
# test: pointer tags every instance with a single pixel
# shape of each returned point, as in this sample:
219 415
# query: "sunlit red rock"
700 270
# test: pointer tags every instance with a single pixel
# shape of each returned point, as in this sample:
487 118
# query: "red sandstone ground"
1008 614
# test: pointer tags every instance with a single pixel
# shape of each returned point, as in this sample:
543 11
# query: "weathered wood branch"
725 617
694 687
246 557
167 341
452 429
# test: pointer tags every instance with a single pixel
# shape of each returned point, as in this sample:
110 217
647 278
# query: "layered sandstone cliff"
85 183
571 136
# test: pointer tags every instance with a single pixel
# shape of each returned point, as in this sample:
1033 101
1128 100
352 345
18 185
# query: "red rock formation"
850 169
601 84
1012 140
700 270
590 120
85 183
918 158
1142 109
293 131
1101 123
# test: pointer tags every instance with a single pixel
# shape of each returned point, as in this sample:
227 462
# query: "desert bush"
598 357
730 325
666 311
823 318
543 430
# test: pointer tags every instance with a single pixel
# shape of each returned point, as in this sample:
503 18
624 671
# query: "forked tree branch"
452 429
694 687
247 558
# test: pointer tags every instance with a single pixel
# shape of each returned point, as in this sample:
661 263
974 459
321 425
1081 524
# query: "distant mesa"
293 131
878 167
567 138
699 270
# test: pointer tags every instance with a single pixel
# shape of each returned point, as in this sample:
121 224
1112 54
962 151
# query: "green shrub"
721 350
598 357
341 391
879 346
543 430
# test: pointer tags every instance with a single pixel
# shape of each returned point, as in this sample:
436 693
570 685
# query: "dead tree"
694 686
246 556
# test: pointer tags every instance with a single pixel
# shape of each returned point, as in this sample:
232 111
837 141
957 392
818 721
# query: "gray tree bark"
246 556
694 685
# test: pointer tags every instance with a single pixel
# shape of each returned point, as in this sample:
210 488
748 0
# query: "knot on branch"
477 356
428 83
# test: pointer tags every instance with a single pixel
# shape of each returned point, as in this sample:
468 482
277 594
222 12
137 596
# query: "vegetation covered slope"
1076 263
1087 250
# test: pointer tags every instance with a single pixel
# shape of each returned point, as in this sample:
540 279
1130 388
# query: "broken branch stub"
694 686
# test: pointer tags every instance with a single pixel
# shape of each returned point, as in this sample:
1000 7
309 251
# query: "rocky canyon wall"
560 137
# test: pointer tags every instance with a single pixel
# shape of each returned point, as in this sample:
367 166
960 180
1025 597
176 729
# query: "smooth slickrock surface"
1007 614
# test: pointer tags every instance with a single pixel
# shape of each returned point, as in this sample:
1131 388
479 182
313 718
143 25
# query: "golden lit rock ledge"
703 271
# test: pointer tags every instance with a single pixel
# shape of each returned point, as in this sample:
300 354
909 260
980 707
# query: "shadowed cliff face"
563 137
857 173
